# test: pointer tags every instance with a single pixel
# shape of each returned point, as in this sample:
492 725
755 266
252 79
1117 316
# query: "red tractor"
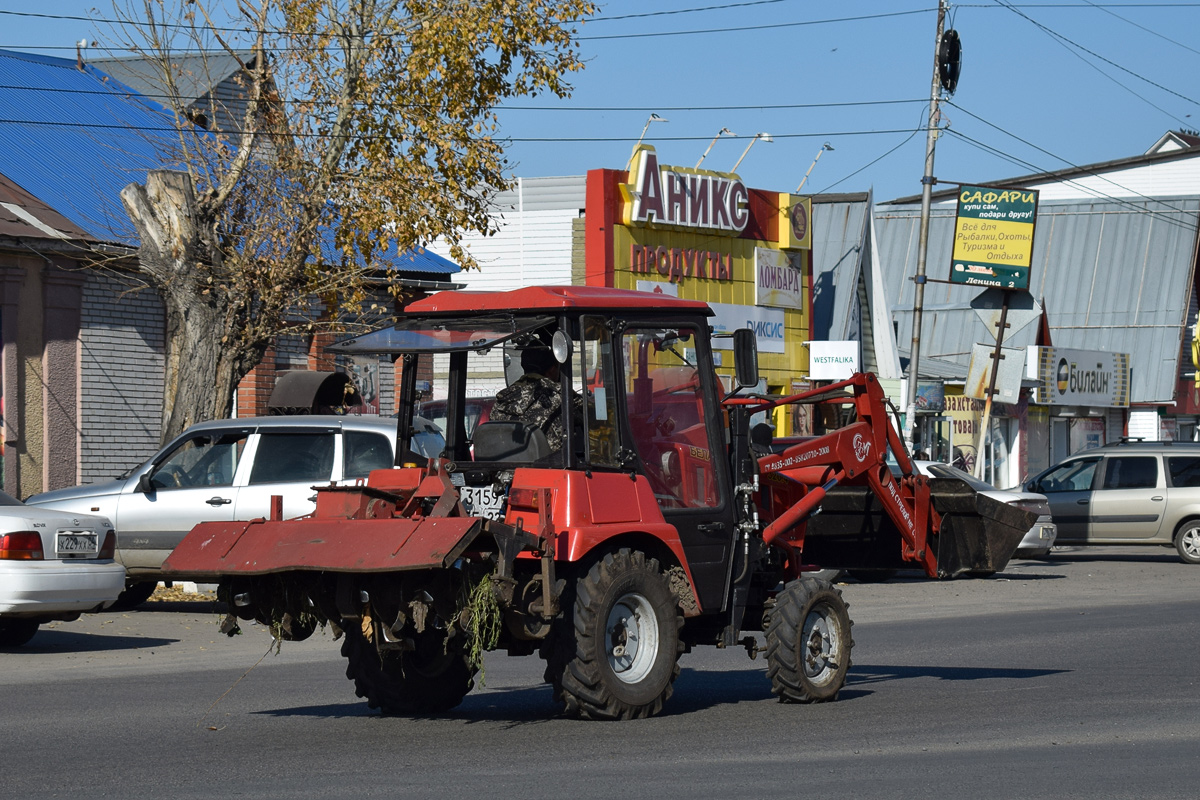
646 515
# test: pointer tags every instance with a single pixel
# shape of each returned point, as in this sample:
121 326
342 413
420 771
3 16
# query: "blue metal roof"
74 138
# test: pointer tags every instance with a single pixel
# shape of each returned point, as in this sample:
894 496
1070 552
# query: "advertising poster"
993 237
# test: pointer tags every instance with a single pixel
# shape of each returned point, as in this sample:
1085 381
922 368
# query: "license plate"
481 501
76 542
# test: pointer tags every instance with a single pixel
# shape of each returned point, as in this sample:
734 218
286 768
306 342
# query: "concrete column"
12 275
62 299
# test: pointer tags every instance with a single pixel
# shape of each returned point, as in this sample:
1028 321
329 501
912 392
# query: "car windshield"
8 500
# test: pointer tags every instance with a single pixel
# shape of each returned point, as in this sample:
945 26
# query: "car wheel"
1187 542
16 632
134 595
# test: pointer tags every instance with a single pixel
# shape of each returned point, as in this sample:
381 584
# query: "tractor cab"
604 391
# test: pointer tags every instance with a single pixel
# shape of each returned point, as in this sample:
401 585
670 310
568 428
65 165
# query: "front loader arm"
854 455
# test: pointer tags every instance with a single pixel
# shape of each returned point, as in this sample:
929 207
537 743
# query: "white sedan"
54 565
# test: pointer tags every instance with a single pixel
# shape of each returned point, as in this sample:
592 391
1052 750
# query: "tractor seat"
509 441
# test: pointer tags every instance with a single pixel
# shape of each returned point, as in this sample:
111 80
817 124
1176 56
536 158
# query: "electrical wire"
677 11
744 28
1069 163
1072 43
907 139
1167 217
600 109
539 140
1100 7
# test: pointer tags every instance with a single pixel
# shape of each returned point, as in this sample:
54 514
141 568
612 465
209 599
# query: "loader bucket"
978 534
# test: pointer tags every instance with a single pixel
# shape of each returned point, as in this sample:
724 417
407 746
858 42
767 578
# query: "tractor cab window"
594 375
667 415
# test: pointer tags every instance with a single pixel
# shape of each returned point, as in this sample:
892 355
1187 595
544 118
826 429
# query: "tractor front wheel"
626 623
808 642
430 679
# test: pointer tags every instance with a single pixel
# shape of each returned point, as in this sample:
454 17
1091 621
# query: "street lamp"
720 133
653 118
766 137
824 147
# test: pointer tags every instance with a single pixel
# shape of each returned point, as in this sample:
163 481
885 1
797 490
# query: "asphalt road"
1073 677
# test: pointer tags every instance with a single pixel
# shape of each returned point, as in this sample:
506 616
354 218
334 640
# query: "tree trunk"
176 251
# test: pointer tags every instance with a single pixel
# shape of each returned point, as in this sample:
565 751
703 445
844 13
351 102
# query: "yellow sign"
795 224
993 237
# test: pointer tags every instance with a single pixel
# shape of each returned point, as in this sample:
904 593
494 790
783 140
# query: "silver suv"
1133 492
228 470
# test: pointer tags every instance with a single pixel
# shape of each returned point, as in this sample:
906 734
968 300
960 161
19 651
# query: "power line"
602 109
541 140
1096 193
906 140
744 28
1142 27
686 10
1167 217
1092 53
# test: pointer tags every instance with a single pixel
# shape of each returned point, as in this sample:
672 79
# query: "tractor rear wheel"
624 628
808 642
430 679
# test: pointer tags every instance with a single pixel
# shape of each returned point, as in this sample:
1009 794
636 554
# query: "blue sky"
1044 85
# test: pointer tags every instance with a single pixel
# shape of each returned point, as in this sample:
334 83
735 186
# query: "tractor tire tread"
580 673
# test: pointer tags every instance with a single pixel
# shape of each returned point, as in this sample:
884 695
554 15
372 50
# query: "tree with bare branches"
369 127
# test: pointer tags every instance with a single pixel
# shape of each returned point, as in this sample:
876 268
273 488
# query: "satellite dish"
949 60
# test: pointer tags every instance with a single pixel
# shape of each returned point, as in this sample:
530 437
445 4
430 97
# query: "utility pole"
927 182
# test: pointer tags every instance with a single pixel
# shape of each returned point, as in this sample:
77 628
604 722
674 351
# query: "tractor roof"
548 298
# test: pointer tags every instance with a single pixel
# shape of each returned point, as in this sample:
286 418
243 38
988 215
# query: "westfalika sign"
685 197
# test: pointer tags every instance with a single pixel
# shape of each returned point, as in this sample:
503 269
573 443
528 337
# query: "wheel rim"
1190 542
632 638
820 646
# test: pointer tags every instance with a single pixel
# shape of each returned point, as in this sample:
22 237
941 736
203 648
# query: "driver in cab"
535 398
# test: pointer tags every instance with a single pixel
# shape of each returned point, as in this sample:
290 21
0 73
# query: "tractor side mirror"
745 357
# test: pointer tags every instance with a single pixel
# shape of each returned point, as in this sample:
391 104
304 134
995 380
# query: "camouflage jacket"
534 400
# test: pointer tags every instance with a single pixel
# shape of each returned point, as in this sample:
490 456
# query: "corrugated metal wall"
1116 276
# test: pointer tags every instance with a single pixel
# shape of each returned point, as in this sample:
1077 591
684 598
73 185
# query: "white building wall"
533 245
1166 179
531 248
